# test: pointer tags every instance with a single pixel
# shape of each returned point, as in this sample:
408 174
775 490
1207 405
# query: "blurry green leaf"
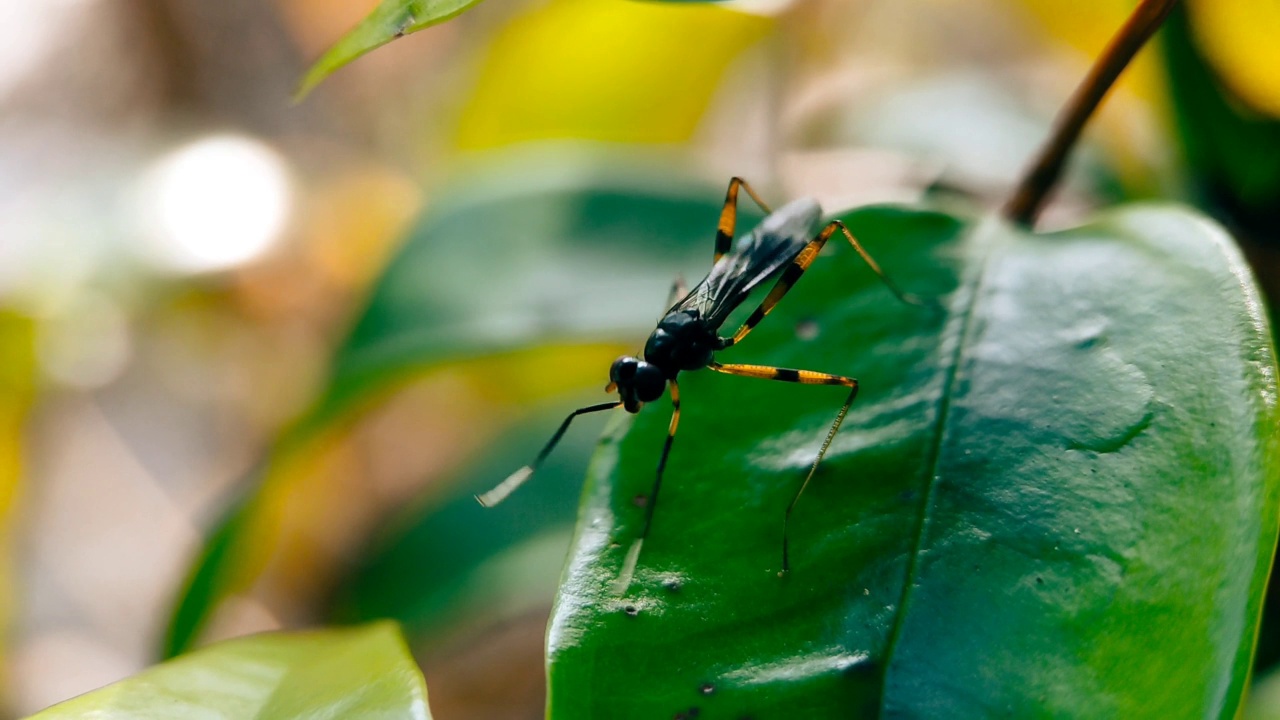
524 279
471 565
364 672
1264 698
548 248
1057 498
390 20
1233 153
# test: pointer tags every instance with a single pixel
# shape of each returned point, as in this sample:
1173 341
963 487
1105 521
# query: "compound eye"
649 383
623 369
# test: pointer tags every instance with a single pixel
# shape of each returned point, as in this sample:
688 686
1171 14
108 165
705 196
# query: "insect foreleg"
662 461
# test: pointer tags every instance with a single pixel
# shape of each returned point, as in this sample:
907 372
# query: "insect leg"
679 290
517 478
662 461
797 267
729 215
789 278
905 297
804 377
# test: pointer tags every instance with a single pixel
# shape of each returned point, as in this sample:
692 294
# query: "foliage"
390 20
555 278
1056 498
364 672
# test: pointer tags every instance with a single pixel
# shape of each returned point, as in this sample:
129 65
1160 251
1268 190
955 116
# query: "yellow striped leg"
804 377
797 267
729 215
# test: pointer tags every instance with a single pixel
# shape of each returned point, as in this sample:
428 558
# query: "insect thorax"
682 341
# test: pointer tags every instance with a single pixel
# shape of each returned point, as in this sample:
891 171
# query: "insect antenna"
518 478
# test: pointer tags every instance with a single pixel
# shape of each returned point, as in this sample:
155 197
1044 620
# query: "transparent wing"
758 257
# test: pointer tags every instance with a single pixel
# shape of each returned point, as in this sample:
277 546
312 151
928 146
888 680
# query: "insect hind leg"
804 377
729 215
906 297
796 269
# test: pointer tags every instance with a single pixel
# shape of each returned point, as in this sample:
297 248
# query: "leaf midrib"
965 322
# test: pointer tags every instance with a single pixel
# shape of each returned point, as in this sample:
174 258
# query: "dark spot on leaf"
640 500
694 712
672 585
1039 580
631 610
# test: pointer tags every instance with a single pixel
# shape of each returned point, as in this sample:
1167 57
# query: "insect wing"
758 256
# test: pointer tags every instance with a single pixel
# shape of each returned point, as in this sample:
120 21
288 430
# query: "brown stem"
1033 191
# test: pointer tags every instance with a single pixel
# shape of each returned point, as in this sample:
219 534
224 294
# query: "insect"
687 338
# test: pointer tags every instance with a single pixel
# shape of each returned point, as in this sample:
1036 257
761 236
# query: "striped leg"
804 377
662 462
797 267
729 215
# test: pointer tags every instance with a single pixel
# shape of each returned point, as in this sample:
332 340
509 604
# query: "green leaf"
1263 702
513 279
1056 499
363 672
390 20
455 564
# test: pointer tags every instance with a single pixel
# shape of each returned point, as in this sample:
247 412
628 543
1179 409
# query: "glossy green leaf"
390 20
515 276
1055 499
363 672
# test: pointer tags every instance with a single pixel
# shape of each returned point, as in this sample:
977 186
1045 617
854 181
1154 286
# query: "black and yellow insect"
688 338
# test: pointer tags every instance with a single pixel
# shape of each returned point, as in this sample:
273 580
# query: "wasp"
688 338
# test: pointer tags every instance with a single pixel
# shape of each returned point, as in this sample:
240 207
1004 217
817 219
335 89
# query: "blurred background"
255 356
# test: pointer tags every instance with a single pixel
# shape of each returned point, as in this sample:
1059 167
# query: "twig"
1033 191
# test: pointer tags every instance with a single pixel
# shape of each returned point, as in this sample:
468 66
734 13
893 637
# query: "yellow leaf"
17 392
607 70
1239 40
